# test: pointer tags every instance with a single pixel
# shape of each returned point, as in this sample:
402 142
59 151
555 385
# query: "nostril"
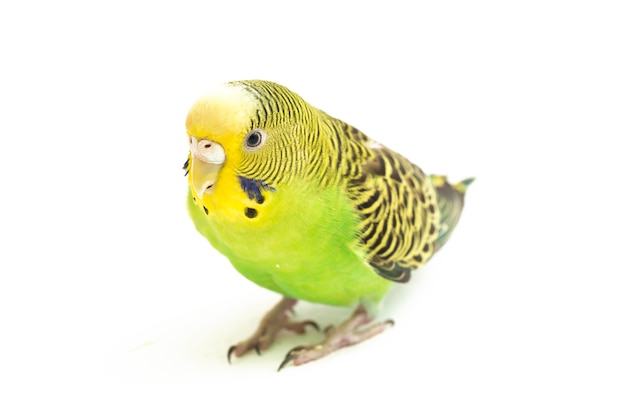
208 151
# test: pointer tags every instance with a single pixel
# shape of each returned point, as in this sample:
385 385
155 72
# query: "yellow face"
220 135
249 136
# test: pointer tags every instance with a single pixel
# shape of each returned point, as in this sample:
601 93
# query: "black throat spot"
250 212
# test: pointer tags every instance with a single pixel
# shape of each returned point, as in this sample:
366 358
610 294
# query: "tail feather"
450 199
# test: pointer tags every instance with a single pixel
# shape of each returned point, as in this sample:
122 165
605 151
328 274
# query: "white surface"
111 304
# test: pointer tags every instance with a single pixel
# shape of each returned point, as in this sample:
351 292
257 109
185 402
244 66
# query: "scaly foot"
346 334
275 320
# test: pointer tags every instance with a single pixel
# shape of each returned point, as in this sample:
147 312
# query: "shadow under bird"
308 206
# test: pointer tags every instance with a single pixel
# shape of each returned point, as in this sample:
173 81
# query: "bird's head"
256 130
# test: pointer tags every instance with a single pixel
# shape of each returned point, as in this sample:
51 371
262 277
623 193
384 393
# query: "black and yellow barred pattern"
295 127
396 201
397 204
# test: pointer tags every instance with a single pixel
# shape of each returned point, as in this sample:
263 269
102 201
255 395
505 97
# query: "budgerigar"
308 206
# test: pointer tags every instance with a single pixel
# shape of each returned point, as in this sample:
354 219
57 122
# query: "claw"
230 352
300 326
289 356
257 348
312 324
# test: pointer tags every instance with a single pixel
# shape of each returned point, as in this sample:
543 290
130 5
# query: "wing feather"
396 203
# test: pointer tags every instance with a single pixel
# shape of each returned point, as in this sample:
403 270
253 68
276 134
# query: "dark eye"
255 139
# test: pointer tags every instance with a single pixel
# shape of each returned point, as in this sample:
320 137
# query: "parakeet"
308 206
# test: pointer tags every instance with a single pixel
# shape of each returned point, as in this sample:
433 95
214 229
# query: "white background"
112 304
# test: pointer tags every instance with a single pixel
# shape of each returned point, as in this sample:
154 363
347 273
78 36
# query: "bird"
307 206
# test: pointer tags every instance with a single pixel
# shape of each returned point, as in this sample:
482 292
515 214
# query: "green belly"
304 248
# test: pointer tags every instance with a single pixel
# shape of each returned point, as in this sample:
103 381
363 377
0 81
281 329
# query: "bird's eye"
255 139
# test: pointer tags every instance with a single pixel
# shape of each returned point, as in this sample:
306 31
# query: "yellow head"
255 130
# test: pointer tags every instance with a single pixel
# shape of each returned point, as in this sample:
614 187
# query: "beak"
203 176
207 158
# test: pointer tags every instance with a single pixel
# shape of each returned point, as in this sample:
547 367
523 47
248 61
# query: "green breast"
302 243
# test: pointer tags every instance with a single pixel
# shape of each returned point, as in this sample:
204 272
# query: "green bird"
308 206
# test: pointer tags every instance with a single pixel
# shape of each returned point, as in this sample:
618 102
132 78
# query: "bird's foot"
346 334
275 320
